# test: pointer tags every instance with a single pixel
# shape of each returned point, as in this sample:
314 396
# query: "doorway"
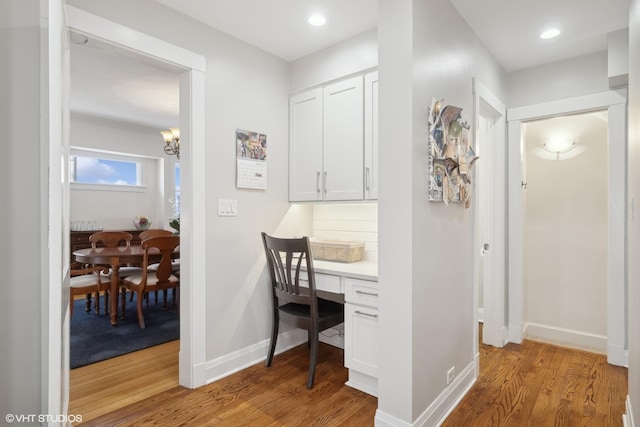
565 230
192 88
614 102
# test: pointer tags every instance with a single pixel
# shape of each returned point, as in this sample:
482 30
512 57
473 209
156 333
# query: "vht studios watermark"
42 418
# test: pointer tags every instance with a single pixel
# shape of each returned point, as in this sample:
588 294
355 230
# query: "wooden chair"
155 232
113 239
175 264
85 281
292 303
149 280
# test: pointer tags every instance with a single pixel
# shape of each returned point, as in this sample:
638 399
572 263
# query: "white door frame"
54 141
192 128
615 103
486 104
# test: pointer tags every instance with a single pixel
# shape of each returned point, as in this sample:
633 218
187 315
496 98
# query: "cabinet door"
343 145
361 339
305 146
371 136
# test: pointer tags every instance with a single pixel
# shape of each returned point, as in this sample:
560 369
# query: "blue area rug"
92 338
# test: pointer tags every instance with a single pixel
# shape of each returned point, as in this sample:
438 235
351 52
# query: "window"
104 169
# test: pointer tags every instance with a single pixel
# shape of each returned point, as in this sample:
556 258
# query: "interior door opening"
565 230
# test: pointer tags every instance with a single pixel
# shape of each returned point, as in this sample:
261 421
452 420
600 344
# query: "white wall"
577 76
425 254
246 88
633 402
22 306
566 234
115 208
351 56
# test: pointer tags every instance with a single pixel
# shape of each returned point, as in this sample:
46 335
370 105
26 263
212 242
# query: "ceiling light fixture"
317 20
550 33
172 139
559 146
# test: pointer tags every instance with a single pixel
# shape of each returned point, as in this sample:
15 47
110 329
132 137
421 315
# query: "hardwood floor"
539 385
256 396
531 384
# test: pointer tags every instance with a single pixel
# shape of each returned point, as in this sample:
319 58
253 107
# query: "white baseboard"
440 409
383 419
515 334
566 337
628 417
617 355
481 314
238 360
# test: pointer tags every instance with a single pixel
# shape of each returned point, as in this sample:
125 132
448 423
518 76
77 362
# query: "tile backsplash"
351 222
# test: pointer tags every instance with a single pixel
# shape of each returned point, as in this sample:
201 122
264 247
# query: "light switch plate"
227 207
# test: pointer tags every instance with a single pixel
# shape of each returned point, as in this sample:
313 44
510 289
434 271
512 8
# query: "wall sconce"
172 139
559 146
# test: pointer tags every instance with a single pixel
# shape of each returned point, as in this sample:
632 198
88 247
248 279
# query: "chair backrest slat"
110 239
154 233
167 246
287 261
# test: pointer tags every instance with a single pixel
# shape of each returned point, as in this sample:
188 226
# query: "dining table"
115 257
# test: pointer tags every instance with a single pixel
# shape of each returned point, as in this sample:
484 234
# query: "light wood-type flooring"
531 384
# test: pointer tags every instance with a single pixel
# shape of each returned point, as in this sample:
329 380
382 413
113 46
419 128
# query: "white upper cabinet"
371 136
326 150
343 142
305 148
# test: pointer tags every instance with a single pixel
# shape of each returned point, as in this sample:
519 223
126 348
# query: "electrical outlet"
451 374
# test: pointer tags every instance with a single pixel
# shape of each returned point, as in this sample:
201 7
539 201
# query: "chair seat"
175 266
84 281
136 279
125 272
326 309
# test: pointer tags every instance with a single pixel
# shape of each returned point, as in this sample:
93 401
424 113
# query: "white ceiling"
510 29
112 83
109 82
280 26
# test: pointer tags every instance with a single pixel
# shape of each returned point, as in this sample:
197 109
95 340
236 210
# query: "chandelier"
172 139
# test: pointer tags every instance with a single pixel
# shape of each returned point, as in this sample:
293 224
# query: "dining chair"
155 232
149 280
85 280
113 239
175 264
289 262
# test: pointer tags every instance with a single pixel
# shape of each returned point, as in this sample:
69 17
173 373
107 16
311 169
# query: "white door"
343 141
305 146
490 238
484 273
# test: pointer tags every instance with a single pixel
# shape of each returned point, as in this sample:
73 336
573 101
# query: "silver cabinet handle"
318 182
373 294
324 183
366 179
366 314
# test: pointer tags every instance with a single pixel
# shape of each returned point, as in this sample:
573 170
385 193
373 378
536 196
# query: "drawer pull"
366 314
373 294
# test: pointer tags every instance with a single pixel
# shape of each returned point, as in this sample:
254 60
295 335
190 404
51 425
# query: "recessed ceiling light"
550 33
317 20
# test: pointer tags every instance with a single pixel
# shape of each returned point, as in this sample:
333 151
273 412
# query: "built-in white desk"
355 284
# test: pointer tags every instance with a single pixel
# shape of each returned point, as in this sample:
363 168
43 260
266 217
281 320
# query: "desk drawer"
324 282
361 292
